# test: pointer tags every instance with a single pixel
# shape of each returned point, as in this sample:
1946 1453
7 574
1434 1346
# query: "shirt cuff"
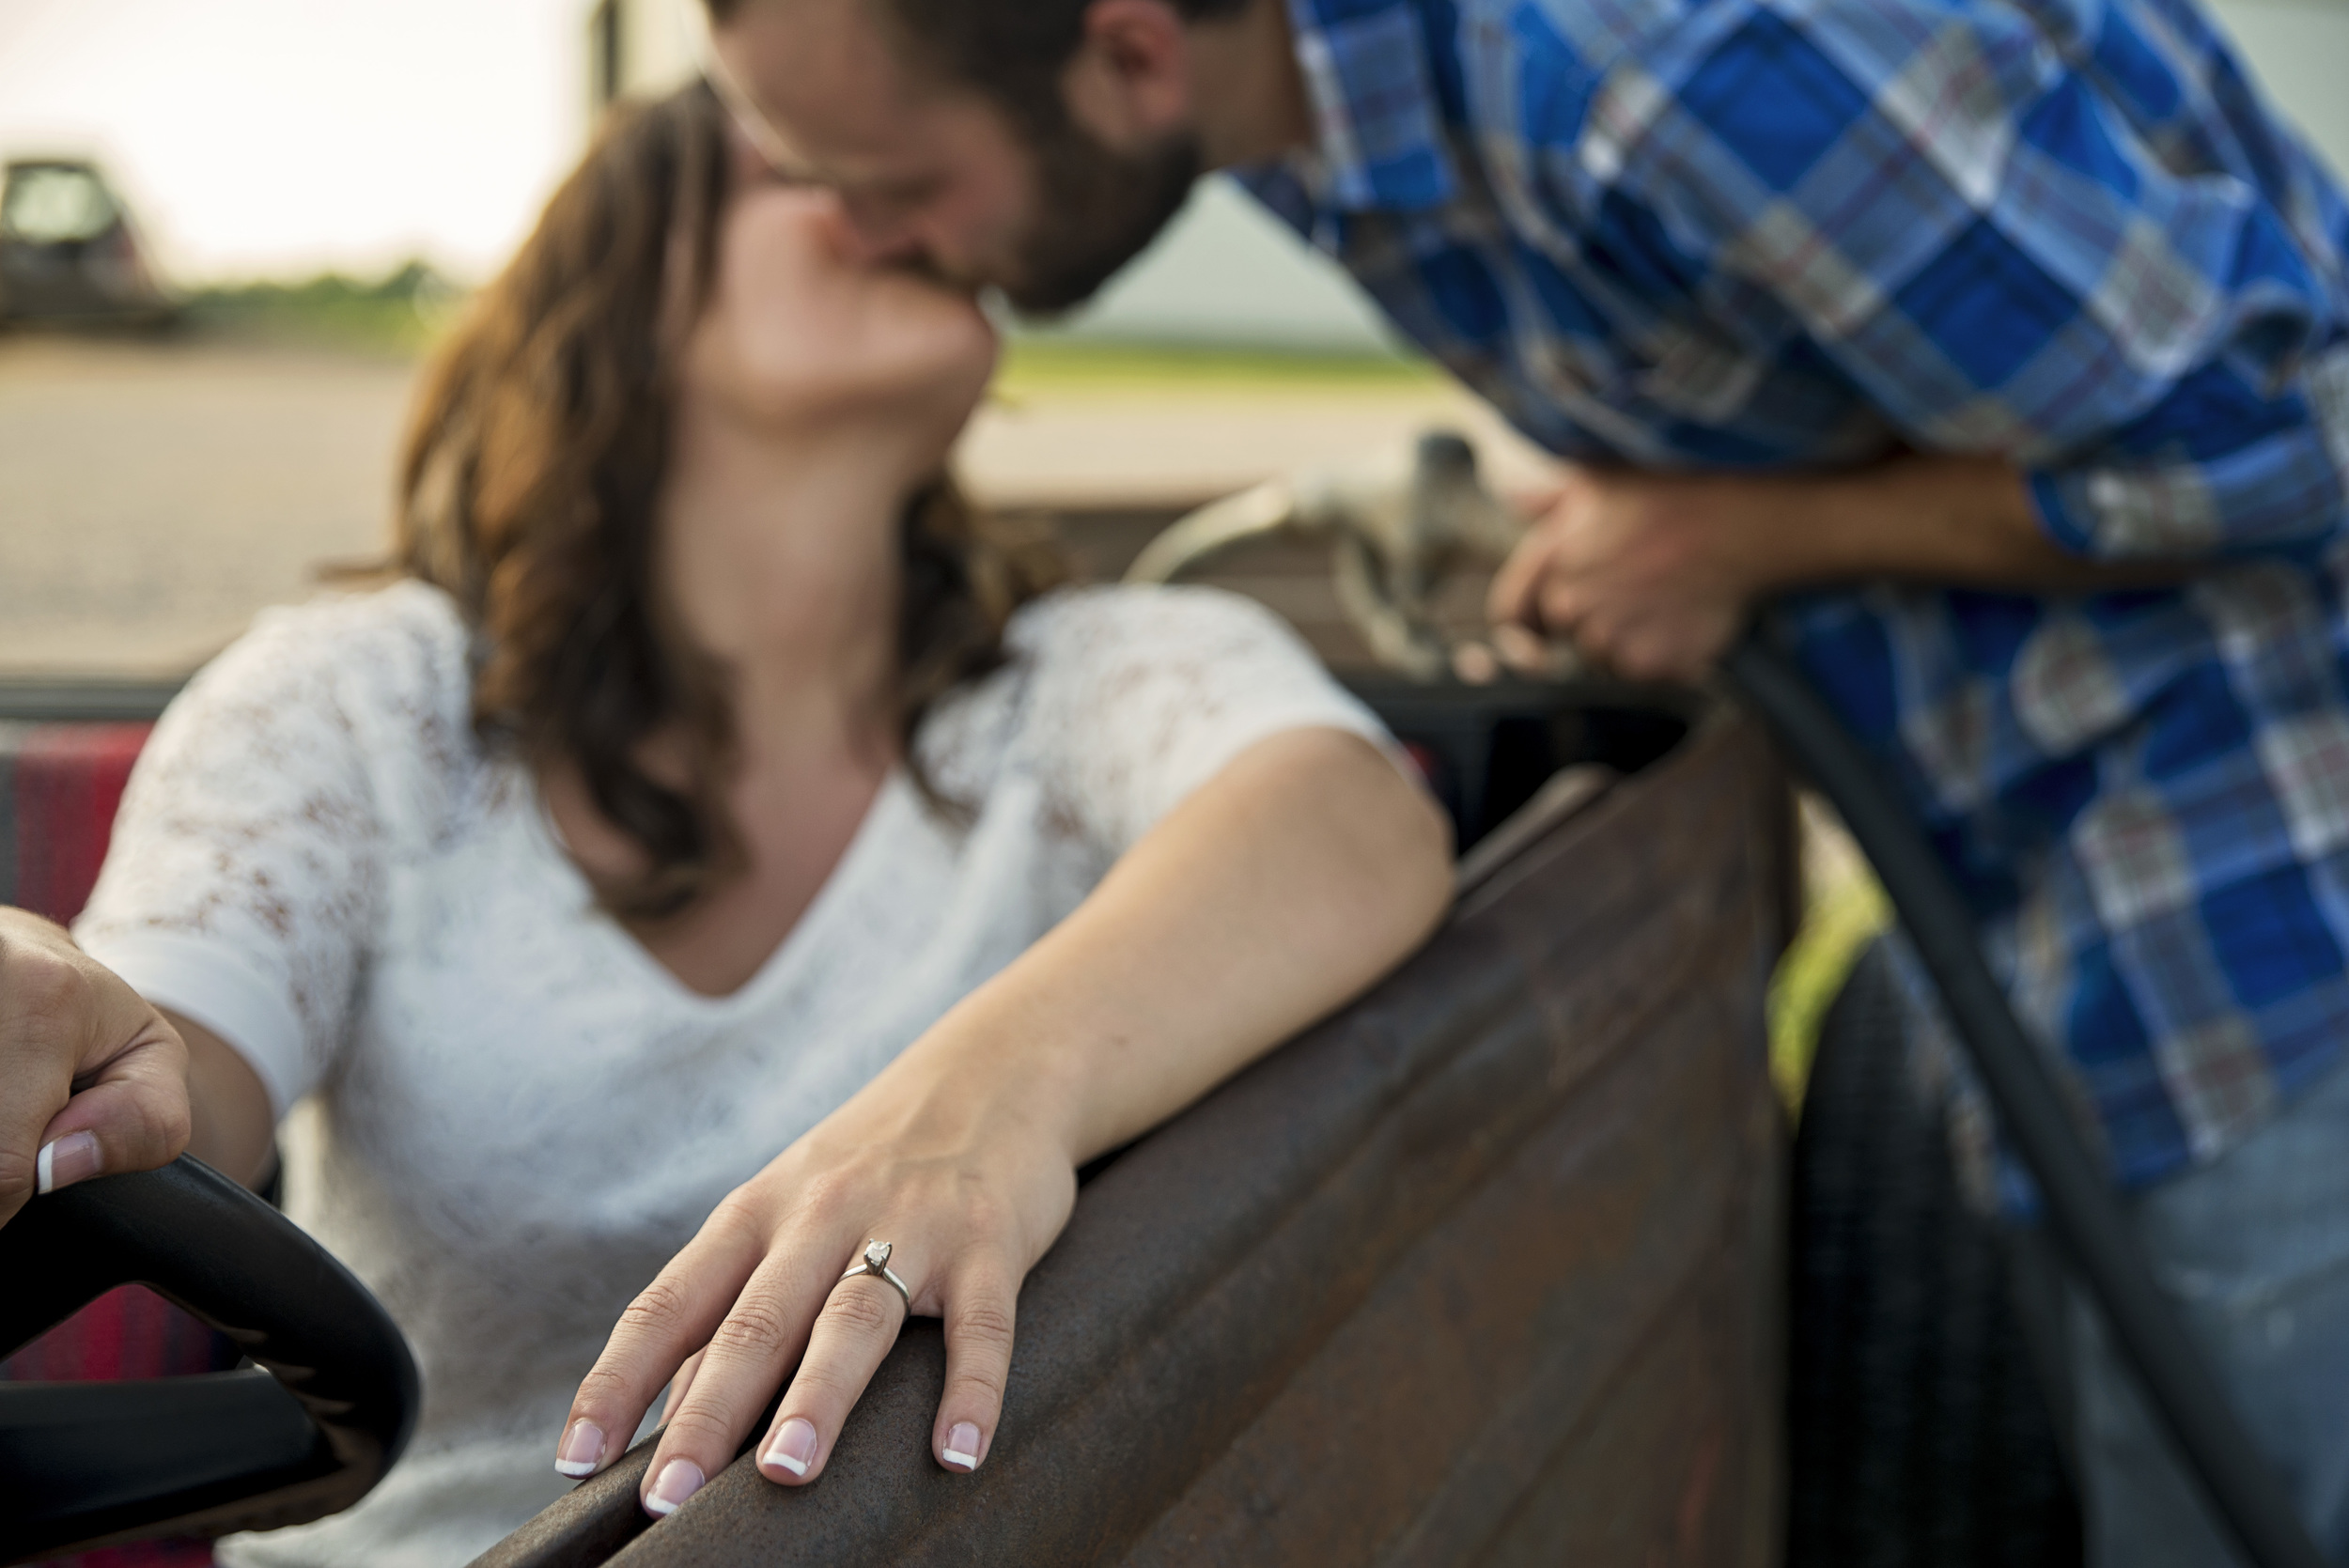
212 984
2117 514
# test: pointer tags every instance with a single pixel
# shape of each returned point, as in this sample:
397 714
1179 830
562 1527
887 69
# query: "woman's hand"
963 1178
92 1080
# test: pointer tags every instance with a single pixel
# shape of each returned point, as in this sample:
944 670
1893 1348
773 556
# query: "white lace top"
509 1115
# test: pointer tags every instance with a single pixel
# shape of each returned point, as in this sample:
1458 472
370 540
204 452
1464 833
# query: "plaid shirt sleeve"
1986 234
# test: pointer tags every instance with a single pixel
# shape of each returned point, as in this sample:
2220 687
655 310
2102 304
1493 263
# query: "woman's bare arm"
232 1128
1299 873
1280 891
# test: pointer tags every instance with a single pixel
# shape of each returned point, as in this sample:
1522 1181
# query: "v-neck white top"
510 1115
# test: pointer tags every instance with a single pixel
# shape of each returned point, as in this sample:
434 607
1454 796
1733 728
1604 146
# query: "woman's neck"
780 557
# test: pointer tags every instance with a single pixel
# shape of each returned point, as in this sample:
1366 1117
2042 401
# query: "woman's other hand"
93 1081
1293 879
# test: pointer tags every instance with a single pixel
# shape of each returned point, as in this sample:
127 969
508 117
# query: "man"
2016 332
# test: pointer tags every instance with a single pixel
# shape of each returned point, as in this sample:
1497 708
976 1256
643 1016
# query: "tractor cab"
71 253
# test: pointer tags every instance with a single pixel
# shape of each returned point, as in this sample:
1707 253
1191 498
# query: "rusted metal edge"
1556 802
590 1523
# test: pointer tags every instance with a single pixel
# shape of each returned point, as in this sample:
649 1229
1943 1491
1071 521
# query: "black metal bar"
90 1464
51 701
2085 1216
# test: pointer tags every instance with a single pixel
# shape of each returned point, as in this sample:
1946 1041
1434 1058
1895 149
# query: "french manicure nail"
582 1449
680 1480
793 1447
63 1161
962 1447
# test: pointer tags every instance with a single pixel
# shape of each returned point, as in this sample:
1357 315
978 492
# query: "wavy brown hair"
533 465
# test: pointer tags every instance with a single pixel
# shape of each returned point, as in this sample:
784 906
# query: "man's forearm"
1654 573
1955 520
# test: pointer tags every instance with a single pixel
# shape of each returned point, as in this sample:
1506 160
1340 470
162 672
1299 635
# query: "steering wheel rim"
325 1407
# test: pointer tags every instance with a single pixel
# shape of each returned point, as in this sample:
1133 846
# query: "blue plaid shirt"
1784 234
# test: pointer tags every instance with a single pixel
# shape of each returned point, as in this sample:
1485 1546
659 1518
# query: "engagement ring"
876 1264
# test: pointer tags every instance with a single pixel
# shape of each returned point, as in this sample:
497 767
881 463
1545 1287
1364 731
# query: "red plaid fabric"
59 785
64 783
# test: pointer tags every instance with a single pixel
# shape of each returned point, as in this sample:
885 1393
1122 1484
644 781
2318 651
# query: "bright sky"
271 138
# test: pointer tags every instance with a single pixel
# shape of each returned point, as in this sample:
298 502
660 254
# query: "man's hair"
1013 51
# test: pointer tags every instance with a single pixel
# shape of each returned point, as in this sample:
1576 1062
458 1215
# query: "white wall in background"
659 40
1228 272
2299 49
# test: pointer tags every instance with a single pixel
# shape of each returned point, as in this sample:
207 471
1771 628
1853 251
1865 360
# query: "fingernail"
680 1480
582 1449
793 1447
65 1160
962 1447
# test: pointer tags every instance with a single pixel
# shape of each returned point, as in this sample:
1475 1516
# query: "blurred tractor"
70 253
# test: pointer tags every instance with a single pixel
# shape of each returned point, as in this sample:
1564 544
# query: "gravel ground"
152 497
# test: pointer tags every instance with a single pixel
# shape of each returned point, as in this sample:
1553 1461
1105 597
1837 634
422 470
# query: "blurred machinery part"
1395 526
69 251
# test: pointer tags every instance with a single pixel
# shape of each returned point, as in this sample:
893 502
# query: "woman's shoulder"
404 642
1137 695
1078 654
383 675
406 614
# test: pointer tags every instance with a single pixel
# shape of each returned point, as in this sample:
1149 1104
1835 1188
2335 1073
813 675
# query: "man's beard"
1095 210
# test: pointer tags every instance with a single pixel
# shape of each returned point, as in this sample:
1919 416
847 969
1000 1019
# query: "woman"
719 852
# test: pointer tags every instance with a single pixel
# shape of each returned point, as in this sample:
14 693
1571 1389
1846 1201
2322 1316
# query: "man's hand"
1654 574
92 1080
1651 575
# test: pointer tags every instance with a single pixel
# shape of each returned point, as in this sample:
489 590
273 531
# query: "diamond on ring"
876 1263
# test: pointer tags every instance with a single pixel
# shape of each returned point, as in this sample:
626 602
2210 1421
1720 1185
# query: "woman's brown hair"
533 465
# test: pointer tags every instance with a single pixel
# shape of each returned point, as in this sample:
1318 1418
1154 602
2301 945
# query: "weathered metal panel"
1484 1269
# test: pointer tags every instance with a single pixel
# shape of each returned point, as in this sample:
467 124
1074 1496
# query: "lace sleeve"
242 884
1142 694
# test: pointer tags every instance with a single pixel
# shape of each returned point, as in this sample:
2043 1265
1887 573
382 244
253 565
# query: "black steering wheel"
305 1431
